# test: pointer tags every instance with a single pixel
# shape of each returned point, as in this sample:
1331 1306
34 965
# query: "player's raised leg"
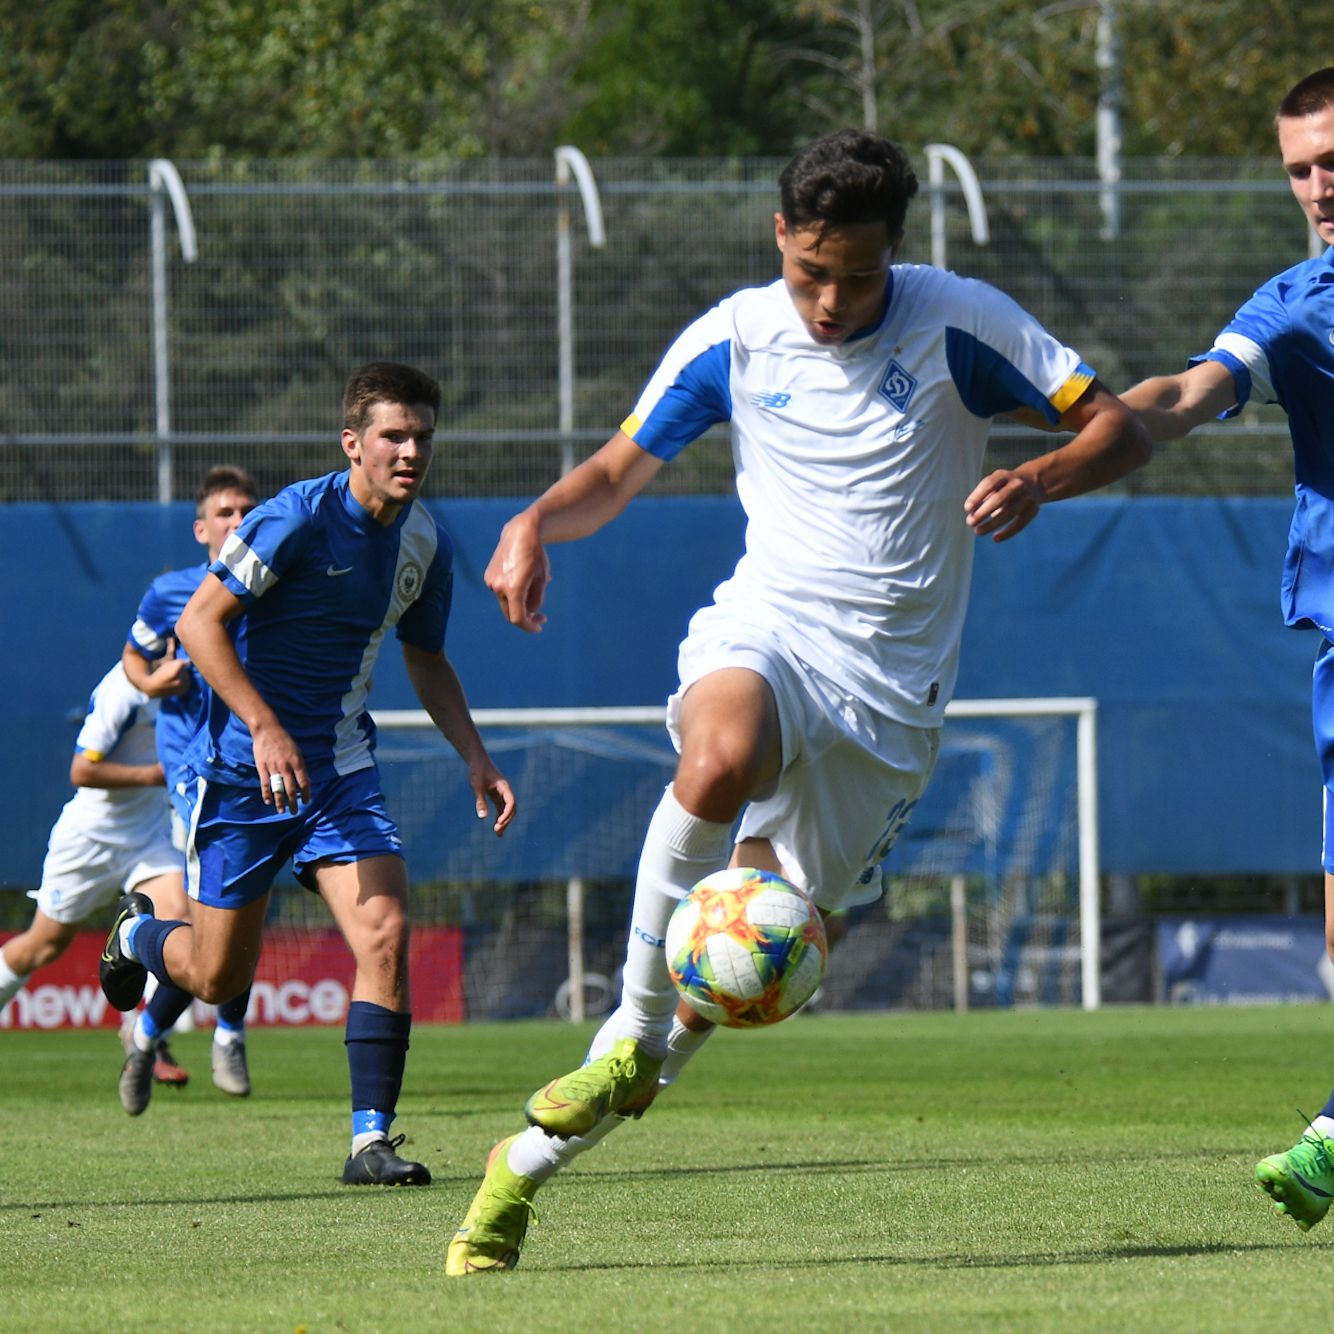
368 899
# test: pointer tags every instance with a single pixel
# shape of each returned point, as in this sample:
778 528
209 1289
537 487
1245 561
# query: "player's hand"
170 675
1002 504
489 784
283 781
518 574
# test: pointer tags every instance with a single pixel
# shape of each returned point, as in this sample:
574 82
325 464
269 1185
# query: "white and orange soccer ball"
746 948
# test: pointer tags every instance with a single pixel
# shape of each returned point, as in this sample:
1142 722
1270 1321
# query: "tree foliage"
467 78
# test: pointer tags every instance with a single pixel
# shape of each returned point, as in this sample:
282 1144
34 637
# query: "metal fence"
131 361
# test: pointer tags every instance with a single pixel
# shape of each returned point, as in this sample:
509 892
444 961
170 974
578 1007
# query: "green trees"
122 79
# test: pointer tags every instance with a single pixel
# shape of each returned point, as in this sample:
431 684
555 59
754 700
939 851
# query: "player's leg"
368 900
148 1057
730 742
235 846
231 1069
79 876
44 941
1300 1182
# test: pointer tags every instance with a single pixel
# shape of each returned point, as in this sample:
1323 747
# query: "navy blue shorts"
236 844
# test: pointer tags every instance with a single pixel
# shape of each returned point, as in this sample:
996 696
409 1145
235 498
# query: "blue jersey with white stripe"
322 584
179 717
1280 349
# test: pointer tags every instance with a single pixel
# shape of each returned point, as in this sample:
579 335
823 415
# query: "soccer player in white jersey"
285 631
153 664
1279 348
113 837
859 394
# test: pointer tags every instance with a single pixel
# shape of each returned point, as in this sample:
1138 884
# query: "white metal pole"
1108 59
164 182
937 156
570 162
157 230
1090 916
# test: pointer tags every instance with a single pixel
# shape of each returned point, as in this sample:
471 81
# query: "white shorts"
851 777
81 874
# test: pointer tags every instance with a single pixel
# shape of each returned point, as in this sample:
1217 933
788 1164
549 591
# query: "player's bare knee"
715 781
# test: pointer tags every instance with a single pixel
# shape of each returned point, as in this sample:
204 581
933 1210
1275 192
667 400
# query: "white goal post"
1082 709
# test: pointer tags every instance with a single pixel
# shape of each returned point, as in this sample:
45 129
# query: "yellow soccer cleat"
492 1232
623 1082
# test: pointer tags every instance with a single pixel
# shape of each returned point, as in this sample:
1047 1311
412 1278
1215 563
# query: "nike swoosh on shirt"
332 573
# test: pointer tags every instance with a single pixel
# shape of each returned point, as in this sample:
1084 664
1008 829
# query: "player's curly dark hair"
385 382
847 177
1309 97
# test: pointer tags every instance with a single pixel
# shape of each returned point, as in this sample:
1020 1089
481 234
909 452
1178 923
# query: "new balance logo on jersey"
771 398
897 386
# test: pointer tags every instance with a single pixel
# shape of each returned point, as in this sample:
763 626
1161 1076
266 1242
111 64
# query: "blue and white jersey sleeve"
1244 346
271 538
1001 358
691 389
160 608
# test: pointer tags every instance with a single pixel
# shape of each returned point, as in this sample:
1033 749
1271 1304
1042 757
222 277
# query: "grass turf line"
1040 1170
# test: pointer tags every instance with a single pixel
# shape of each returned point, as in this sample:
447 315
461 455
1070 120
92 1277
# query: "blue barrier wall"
1165 610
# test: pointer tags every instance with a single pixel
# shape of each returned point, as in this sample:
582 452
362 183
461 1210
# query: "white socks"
682 1044
11 983
679 850
1325 1125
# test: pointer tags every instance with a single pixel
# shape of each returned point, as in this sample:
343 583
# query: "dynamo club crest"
898 386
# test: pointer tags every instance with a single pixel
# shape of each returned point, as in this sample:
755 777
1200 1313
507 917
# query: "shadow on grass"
1047 1259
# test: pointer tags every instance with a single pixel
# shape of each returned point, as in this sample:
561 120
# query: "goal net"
982 905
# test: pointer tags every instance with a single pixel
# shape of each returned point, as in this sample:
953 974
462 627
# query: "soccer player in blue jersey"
859 394
1279 348
286 630
151 662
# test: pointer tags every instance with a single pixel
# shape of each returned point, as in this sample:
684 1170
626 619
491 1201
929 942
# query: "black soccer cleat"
378 1165
123 978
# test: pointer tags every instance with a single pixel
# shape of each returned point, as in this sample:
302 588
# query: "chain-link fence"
128 368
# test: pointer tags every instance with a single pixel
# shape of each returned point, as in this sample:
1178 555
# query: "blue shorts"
1322 718
236 844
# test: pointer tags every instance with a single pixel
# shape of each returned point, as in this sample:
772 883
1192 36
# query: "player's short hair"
225 477
844 178
1309 97
385 382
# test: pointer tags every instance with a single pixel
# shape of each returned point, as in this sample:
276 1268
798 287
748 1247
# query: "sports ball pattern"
746 948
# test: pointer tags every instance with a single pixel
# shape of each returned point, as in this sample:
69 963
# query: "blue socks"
145 939
377 1050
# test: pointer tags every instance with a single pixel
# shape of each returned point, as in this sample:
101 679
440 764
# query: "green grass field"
1001 1171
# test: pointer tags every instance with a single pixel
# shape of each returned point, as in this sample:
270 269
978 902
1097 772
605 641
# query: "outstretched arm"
585 499
1172 405
1110 441
202 629
441 693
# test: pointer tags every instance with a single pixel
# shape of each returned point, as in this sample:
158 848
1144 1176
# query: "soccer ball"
746 948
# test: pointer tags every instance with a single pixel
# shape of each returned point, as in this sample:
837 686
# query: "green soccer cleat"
624 1082
493 1230
1301 1181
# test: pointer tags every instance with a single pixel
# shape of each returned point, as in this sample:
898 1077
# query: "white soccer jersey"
853 463
120 727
